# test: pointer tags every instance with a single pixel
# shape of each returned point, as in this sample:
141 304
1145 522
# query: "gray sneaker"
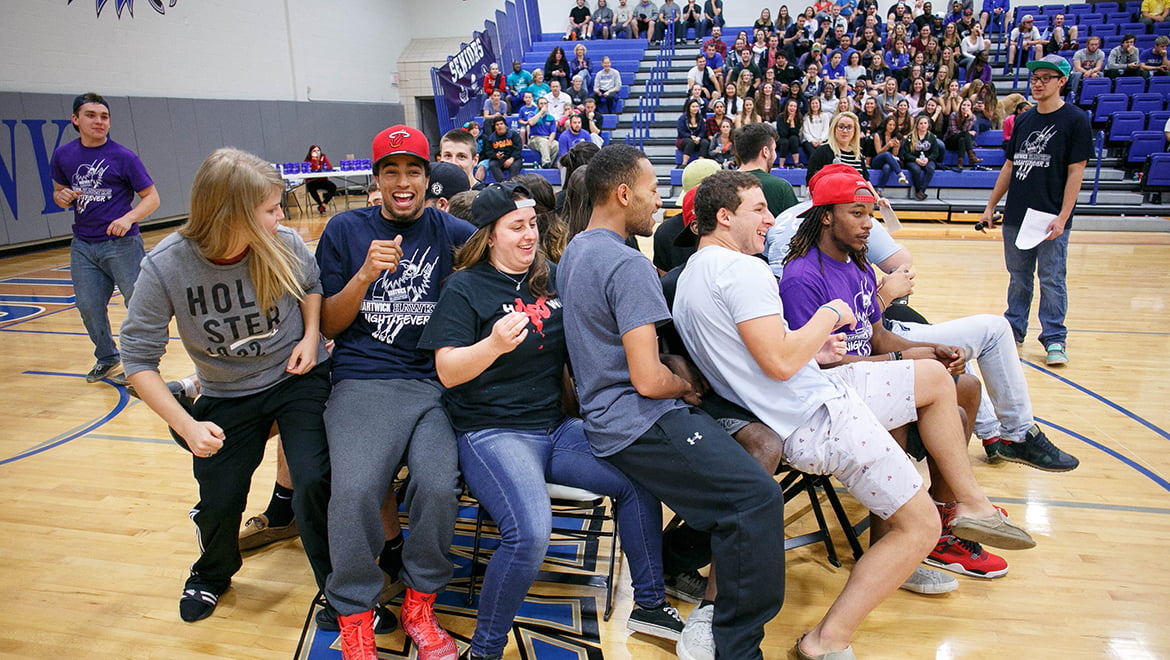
690 586
102 371
926 581
697 641
1056 355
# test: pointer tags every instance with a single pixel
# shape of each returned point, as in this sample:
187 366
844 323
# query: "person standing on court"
1046 158
382 269
98 179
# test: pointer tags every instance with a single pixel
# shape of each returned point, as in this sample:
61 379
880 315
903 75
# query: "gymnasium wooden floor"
95 541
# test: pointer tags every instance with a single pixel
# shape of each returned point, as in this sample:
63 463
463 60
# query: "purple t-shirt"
108 177
815 279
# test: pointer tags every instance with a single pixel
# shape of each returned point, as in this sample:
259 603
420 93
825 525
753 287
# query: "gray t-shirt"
238 349
1089 60
719 289
608 289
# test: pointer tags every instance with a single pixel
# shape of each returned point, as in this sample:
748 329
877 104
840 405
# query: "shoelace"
972 547
354 639
672 612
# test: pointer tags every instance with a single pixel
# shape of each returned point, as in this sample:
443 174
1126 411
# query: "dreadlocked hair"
809 232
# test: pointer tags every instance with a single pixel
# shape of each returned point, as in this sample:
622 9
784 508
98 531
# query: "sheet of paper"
1034 229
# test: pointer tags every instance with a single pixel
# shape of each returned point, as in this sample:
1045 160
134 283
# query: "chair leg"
475 553
811 489
842 517
319 599
610 584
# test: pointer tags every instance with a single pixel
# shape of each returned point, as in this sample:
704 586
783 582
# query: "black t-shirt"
666 254
579 14
521 389
1041 148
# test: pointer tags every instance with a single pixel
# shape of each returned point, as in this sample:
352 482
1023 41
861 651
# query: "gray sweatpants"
373 427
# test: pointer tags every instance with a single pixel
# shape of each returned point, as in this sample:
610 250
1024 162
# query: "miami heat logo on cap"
395 139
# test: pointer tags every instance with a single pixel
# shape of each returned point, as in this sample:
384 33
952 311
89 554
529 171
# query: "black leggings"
961 142
316 186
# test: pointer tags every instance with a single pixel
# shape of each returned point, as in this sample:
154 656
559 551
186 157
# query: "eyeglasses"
1043 80
844 127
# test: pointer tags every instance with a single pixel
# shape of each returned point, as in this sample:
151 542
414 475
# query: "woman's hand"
509 332
304 356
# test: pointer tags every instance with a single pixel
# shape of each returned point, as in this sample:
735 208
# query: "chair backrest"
1091 88
1077 10
1129 27
1143 144
1162 28
1053 10
1156 121
1123 124
1106 104
1103 30
1147 102
1090 19
1159 85
1100 6
1129 85
1158 173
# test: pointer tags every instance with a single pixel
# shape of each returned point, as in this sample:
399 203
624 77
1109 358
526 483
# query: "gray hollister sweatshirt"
238 349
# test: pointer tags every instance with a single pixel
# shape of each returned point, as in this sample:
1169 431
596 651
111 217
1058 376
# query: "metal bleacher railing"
652 91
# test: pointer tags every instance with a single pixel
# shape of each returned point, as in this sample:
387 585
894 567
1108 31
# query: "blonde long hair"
228 188
854 142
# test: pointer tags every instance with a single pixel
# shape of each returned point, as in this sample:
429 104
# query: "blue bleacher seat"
1160 85
1103 30
1142 144
1077 10
1129 85
1106 104
1147 102
1157 178
1091 88
1026 9
1144 42
609 122
1090 19
1128 27
1162 28
1123 124
1101 7
1156 121
1053 10
992 138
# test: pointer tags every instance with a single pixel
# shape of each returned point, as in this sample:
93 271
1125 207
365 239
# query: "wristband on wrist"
834 311
881 300
895 355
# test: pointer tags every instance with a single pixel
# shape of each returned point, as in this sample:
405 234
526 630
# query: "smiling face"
748 225
93 123
402 178
513 241
642 200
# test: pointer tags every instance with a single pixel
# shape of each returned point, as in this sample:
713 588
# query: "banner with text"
462 76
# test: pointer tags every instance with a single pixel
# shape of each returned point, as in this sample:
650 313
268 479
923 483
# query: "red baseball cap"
688 238
400 139
839 184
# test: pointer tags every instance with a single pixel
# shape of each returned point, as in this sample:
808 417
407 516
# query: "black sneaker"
177 391
662 621
1037 451
197 604
690 586
384 620
468 655
101 371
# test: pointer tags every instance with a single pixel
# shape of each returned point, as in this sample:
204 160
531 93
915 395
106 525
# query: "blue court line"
37 281
1121 332
46 300
1081 388
1165 485
76 432
63 332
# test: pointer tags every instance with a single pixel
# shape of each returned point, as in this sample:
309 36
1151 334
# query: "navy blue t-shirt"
1041 148
522 388
382 341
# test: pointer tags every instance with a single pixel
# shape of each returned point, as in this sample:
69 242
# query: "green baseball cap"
1054 62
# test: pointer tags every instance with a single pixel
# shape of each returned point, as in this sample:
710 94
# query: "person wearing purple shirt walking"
98 178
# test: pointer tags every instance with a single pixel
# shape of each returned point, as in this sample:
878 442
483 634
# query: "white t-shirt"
718 289
557 104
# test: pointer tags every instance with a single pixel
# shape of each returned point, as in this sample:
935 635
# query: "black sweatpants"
690 463
296 405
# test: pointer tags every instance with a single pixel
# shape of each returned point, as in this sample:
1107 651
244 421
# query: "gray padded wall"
172 136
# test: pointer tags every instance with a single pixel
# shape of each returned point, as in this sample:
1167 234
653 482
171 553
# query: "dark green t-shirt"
777 191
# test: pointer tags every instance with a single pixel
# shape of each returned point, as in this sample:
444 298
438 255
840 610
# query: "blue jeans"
95 269
1048 260
507 470
889 166
920 176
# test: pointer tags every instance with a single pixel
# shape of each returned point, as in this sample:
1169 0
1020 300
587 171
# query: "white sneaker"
902 178
698 640
926 581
